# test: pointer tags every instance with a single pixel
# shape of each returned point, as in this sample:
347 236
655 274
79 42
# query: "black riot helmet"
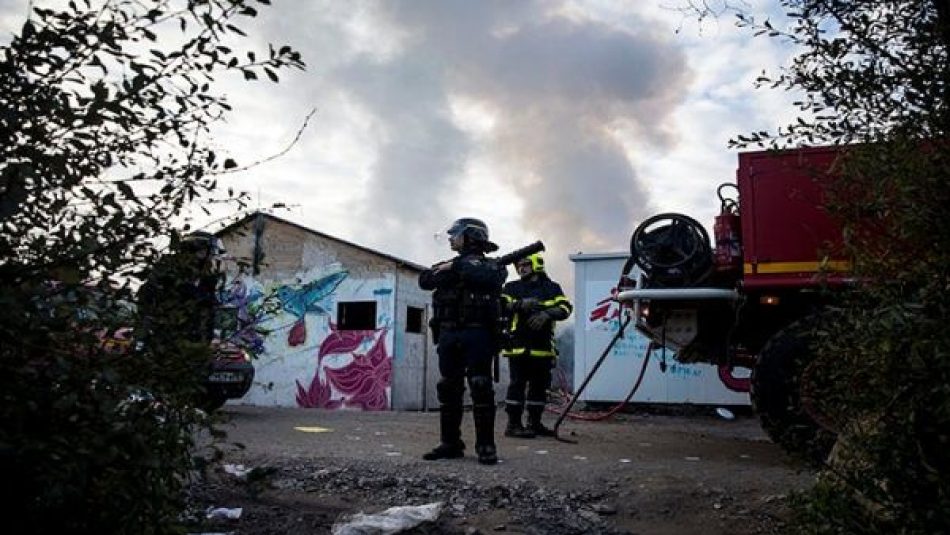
201 246
474 233
200 241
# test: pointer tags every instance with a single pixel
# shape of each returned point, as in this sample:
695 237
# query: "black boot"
487 454
516 430
483 413
450 431
484 416
534 422
514 427
540 431
445 451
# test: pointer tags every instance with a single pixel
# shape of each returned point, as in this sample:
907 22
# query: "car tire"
213 403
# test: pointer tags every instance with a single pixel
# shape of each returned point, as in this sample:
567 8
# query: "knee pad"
449 392
482 391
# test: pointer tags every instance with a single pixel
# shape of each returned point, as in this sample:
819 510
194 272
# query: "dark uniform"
534 302
466 304
177 302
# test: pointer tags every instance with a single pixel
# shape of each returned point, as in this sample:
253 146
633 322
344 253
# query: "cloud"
565 121
419 154
555 90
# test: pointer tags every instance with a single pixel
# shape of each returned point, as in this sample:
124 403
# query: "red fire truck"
754 296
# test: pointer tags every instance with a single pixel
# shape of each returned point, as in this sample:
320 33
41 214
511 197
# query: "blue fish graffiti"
309 298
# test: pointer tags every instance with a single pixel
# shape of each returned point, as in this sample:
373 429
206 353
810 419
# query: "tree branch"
272 157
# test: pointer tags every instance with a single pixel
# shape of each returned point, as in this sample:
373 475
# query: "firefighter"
466 304
534 303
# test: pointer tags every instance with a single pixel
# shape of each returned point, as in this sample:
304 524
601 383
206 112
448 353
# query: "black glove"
528 304
538 320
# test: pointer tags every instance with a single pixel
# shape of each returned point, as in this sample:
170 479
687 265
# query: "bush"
103 143
874 78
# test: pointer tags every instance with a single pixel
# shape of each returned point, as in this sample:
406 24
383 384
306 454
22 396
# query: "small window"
414 317
356 316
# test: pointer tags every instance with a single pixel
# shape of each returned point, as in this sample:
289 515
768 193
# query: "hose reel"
673 251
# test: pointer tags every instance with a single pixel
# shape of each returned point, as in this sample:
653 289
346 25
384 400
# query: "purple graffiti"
250 314
317 396
364 380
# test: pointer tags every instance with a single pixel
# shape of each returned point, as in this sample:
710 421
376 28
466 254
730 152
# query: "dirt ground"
637 473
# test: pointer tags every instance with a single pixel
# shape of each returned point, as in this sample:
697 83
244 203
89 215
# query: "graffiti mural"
310 298
317 396
606 310
365 380
244 294
305 359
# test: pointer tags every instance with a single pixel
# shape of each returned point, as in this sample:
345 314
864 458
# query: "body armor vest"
458 307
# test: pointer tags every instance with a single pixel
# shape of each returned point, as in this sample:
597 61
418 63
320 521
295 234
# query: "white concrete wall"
412 384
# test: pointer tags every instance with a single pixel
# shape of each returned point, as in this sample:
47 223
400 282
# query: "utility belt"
436 327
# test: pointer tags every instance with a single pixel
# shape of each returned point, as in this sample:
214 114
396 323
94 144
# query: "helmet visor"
456 229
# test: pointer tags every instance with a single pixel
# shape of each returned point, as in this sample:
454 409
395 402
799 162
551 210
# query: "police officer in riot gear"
533 303
177 301
466 303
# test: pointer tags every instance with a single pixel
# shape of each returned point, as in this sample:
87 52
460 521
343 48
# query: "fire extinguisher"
728 233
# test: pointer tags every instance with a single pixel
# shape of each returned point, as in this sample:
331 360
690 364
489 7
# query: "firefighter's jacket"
522 339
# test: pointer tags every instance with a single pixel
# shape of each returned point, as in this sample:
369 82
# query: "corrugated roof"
245 219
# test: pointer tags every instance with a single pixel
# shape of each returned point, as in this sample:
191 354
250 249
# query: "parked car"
231 371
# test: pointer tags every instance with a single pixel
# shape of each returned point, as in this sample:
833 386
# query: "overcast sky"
568 122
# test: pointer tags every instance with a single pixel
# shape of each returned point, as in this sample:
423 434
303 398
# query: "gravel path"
636 474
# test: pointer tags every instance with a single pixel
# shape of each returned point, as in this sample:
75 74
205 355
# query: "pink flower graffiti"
317 396
298 333
364 380
342 341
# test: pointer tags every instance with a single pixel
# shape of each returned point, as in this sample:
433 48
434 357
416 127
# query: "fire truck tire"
776 394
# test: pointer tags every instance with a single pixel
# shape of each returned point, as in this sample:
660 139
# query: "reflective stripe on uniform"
514 317
559 302
520 351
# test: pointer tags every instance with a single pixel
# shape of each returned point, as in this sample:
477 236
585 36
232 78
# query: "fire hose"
566 411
